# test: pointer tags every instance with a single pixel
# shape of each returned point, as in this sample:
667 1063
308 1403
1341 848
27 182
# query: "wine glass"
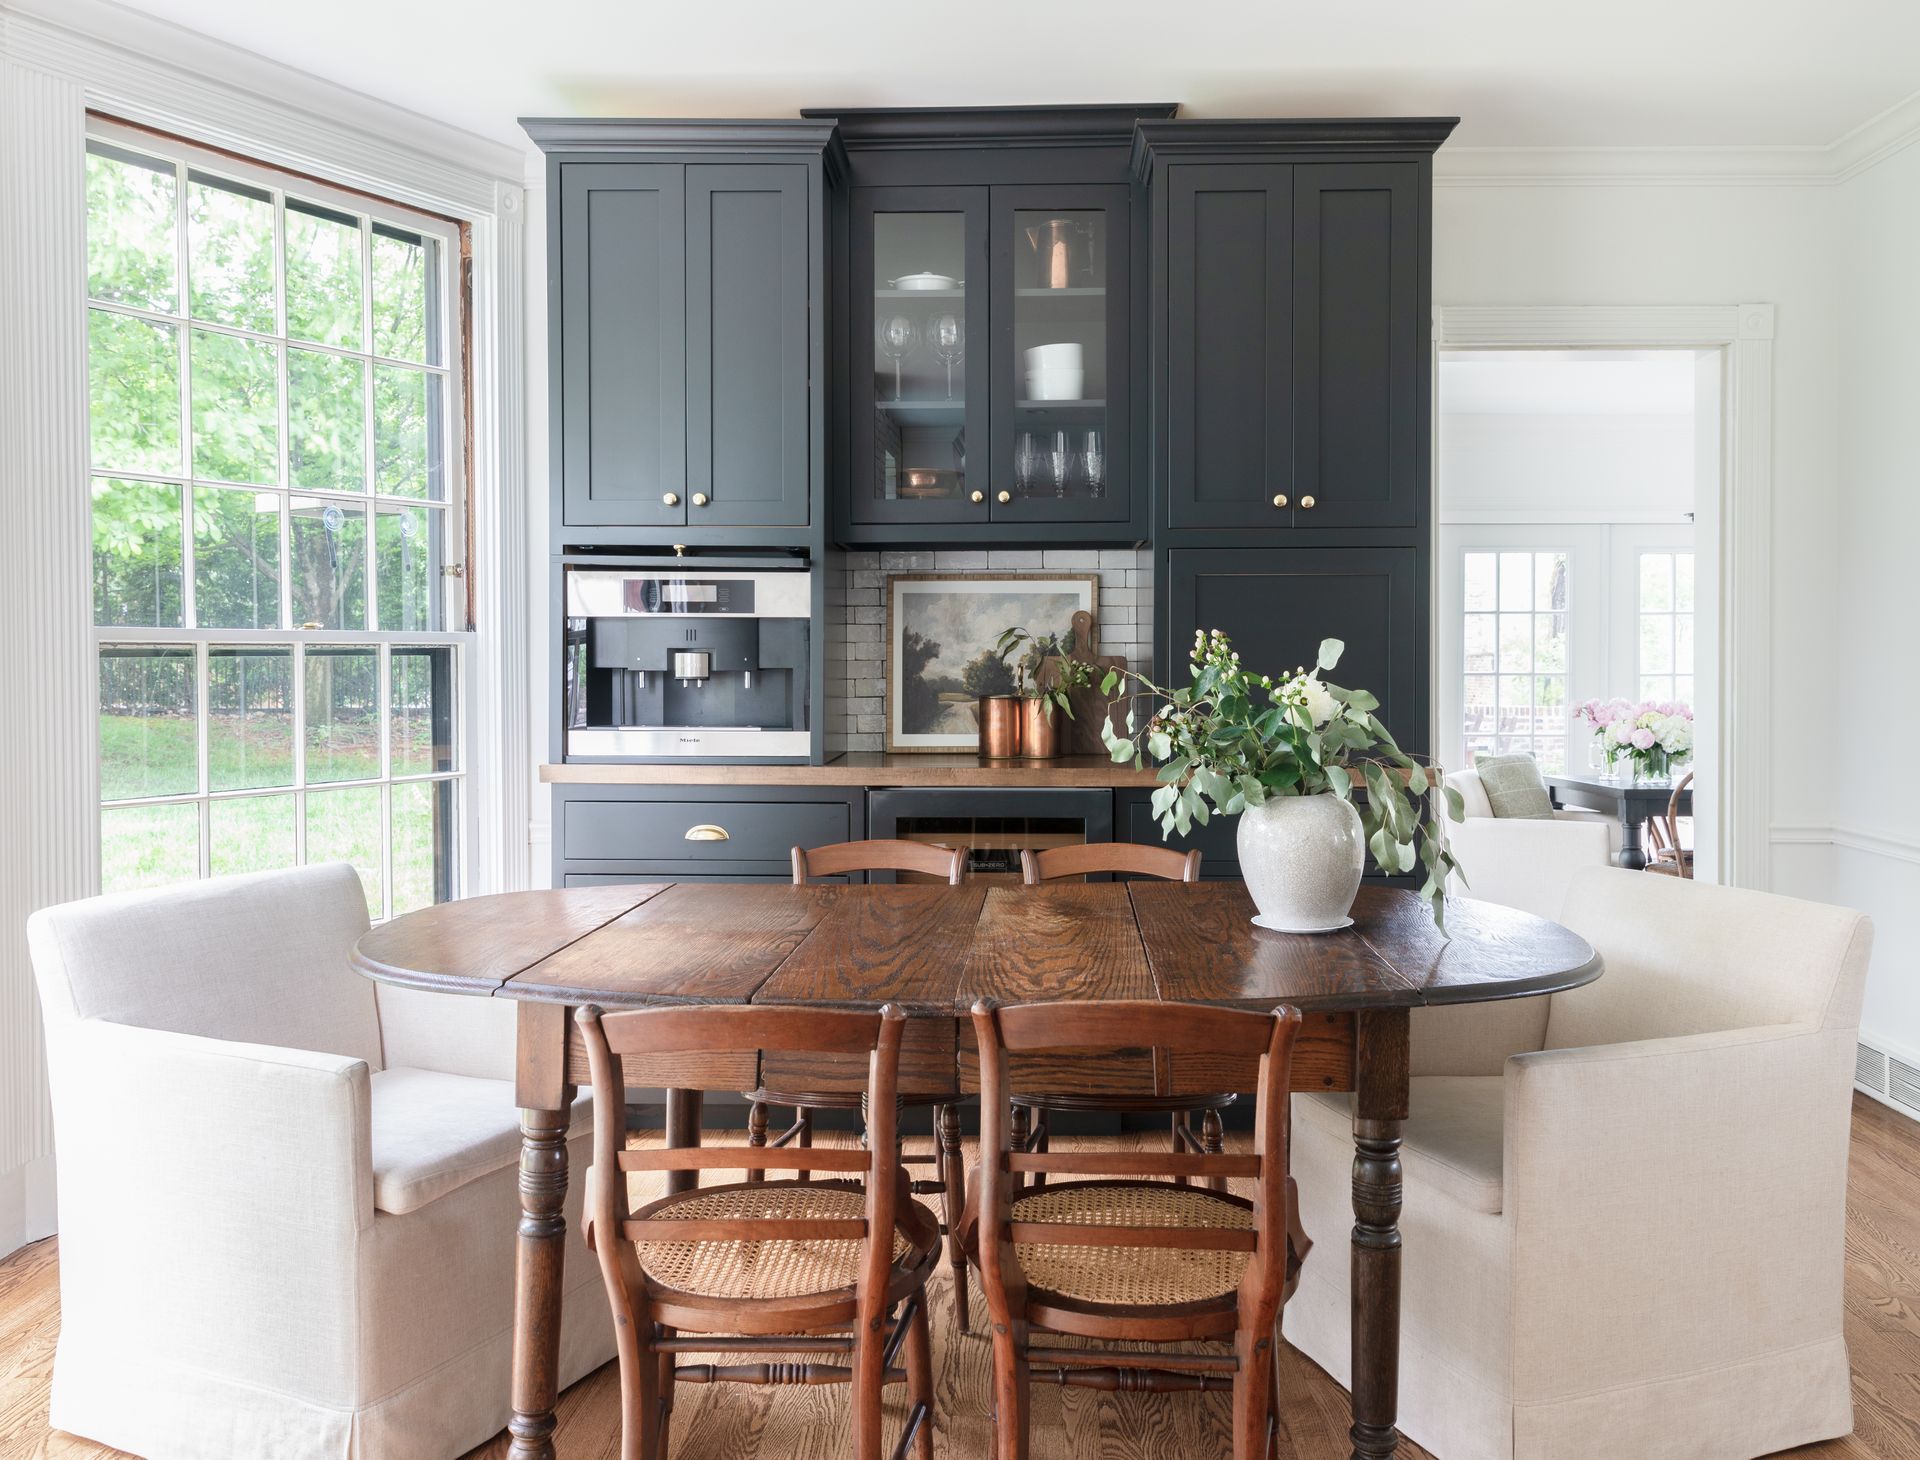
898 336
1093 464
947 338
1059 463
1027 463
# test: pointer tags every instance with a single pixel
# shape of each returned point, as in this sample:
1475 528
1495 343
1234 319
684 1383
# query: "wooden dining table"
934 950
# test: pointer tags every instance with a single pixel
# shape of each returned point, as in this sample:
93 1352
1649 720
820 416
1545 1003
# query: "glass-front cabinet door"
1059 374
990 375
920 321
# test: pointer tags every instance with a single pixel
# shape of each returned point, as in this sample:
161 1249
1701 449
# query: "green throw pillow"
1514 787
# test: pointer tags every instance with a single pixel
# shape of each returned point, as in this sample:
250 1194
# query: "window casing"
279 491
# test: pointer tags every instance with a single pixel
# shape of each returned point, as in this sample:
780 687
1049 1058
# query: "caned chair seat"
775 1268
1132 1276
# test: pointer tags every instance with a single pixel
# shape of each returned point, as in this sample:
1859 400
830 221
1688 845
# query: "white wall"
1564 468
1865 759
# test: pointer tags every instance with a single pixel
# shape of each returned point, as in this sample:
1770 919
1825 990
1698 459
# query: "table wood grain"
934 950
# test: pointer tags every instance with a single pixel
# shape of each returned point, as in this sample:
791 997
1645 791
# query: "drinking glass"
898 336
1027 463
947 338
1059 463
1093 465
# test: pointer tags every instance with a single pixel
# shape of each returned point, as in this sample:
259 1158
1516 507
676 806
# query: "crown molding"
1868 144
865 127
164 76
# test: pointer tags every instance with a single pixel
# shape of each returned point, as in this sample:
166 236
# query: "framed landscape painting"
941 629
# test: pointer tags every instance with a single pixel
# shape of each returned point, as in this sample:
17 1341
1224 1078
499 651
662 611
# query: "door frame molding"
1739 523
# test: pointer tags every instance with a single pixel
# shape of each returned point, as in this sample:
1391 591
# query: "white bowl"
1056 384
1068 356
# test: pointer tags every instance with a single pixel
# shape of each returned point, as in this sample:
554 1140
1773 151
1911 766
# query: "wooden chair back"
1663 831
879 855
1094 1028
706 1029
1126 858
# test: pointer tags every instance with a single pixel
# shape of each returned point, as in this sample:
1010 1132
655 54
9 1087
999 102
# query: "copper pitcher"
1063 252
999 717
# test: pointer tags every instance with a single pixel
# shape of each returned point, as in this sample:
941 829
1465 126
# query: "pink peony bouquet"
1655 735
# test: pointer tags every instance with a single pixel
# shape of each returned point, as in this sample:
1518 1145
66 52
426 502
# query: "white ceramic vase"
1302 857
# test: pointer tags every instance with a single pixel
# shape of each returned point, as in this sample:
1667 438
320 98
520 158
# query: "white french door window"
1665 639
279 523
1514 654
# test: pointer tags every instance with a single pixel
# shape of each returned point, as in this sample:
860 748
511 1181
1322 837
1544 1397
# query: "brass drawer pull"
707 832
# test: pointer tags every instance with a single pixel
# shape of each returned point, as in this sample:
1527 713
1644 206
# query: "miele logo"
688 739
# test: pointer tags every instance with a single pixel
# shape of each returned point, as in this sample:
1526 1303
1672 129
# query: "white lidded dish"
925 281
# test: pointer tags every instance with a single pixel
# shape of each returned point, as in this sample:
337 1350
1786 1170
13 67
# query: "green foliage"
1230 739
1033 651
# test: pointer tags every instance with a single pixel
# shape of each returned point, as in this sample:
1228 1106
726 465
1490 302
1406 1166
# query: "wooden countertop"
864 769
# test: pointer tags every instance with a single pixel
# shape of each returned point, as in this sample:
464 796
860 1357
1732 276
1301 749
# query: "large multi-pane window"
1666 626
278 494
1516 655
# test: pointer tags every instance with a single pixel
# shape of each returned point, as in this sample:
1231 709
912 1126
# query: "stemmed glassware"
1093 465
898 336
947 338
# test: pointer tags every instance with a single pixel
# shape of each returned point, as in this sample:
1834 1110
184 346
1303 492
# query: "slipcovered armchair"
1522 862
287 1201
1625 1205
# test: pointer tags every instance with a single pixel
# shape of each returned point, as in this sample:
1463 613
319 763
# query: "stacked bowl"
1055 372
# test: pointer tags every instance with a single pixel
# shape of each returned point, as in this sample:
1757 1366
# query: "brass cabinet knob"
672 499
1279 499
979 496
1307 502
699 499
707 832
1003 496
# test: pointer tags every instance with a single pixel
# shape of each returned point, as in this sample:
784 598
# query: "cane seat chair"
835 1267
1119 1256
1670 859
1031 1114
949 1181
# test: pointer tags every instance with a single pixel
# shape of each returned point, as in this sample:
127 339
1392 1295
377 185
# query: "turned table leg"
683 1131
1633 843
545 1100
1379 1112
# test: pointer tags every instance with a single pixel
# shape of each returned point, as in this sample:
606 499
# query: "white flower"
1320 705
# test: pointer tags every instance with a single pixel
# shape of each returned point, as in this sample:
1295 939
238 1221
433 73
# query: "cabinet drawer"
699 831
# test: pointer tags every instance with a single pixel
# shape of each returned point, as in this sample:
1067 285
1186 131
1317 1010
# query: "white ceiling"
1567 382
1521 73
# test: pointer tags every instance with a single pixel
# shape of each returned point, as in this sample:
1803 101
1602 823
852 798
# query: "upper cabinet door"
623 449
1358 338
919 378
747 345
1061 312
1229 331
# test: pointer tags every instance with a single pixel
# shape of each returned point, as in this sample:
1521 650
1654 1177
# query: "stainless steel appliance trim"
699 742
601 592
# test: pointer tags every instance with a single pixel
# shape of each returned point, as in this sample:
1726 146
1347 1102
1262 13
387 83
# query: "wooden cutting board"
1089 705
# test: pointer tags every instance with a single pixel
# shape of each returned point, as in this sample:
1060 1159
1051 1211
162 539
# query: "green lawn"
143 846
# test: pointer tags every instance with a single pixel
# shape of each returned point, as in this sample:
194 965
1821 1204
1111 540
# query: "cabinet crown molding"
1211 136
625 134
977 126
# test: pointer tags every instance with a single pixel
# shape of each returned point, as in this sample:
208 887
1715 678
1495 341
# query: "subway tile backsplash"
854 697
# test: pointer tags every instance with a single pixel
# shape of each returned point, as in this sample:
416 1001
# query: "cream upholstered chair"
1624 1223
1519 862
287 1199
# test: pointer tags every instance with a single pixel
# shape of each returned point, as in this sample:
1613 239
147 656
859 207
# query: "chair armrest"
239 1132
1691 1187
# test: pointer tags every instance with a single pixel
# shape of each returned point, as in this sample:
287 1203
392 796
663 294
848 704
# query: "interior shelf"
1059 405
923 412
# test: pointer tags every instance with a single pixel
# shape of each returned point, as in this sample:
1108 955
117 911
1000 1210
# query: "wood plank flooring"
1883 1335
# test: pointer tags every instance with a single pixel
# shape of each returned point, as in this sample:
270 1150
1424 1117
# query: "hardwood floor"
1883 1336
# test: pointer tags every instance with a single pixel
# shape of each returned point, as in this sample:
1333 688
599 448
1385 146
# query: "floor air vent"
1895 1082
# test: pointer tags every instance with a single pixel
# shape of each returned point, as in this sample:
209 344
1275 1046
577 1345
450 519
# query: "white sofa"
1625 1205
287 1199
1521 862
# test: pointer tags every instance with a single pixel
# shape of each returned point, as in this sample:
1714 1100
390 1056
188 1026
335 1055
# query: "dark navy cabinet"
687 833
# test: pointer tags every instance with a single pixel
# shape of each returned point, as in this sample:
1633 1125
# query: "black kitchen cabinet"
695 833
990 361
1290 301
687 301
1278 603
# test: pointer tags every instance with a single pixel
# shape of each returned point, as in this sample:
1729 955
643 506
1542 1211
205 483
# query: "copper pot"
999 717
1039 729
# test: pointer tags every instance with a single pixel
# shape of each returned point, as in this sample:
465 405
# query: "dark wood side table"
934 950
1628 803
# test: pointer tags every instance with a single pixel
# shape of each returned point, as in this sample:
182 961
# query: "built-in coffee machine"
687 661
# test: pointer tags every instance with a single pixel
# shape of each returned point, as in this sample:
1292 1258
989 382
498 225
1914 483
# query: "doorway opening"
1578 494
